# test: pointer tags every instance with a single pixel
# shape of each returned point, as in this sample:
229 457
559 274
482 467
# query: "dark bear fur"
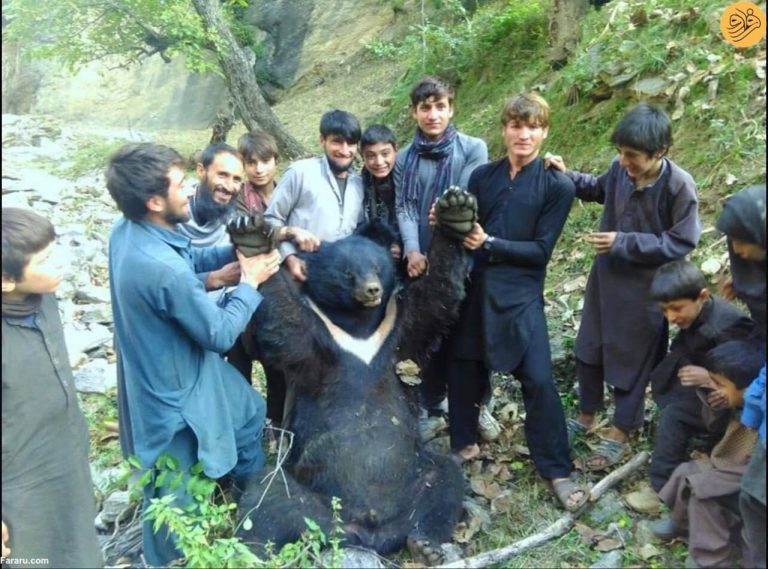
355 423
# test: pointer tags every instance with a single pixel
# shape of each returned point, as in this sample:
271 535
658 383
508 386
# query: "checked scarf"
440 150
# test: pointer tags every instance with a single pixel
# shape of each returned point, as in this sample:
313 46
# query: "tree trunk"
223 123
565 28
241 81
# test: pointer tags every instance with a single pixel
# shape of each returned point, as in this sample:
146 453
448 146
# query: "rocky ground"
505 499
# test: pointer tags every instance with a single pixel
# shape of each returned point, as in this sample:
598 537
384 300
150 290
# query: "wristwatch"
488 243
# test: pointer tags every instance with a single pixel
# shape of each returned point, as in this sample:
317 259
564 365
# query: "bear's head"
351 281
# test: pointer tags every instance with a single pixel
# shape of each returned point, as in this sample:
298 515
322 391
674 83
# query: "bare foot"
469 452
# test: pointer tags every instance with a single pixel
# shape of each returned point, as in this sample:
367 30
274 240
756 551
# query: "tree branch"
556 529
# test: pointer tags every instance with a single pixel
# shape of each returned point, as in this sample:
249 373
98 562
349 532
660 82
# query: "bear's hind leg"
438 509
279 519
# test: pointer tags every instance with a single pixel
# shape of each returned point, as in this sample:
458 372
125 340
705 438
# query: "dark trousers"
680 421
630 404
545 429
468 381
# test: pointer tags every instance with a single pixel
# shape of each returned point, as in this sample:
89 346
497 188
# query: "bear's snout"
369 292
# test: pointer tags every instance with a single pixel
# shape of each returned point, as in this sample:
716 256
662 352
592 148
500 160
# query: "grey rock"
115 506
651 86
103 477
81 339
643 534
452 552
607 509
18 199
90 294
100 524
357 558
609 560
96 376
97 314
42 185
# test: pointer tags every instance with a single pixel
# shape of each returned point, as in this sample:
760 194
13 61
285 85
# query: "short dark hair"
677 280
378 133
340 123
528 107
645 128
431 86
136 172
213 150
24 234
257 143
737 360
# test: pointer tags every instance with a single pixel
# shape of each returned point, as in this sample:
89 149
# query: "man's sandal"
607 453
565 490
575 429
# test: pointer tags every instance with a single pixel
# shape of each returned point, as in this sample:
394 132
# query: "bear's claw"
424 551
252 235
456 212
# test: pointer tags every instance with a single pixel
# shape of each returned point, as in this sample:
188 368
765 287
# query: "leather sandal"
575 429
607 453
564 491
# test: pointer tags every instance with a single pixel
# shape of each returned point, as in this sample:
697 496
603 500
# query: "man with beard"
221 173
321 195
176 396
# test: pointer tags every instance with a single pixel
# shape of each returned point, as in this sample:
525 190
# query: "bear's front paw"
252 235
456 212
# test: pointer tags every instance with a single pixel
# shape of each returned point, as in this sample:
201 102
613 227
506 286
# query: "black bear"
337 339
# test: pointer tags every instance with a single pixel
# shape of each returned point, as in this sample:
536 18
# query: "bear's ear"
379 232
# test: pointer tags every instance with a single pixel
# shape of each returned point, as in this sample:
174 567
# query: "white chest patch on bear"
364 349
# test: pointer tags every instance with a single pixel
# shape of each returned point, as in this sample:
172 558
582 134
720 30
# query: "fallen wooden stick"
556 529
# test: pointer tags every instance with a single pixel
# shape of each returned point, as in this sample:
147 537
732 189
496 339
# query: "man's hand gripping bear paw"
252 235
456 212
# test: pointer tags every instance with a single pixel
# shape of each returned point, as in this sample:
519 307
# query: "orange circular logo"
743 24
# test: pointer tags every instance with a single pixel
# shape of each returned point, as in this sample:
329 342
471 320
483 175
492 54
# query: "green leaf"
311 524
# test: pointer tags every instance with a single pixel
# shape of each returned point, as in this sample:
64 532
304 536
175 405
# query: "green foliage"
128 31
383 49
205 528
398 7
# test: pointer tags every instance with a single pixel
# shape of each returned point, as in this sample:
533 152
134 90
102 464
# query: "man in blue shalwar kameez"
176 395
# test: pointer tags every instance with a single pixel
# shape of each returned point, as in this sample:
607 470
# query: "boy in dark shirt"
705 321
650 217
378 147
48 503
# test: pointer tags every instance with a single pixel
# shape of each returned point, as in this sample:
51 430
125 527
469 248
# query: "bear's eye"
350 275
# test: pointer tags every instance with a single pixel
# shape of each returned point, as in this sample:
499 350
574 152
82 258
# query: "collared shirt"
169 335
308 196
48 500
654 224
